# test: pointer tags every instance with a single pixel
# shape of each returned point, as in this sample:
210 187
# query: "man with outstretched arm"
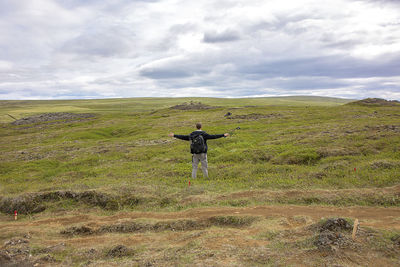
198 147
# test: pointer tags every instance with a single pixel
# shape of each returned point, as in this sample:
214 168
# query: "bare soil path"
188 242
377 217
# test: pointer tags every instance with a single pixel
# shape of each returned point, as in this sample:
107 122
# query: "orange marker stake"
15 215
189 183
355 169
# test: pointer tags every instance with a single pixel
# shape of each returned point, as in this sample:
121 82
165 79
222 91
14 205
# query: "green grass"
313 143
21 108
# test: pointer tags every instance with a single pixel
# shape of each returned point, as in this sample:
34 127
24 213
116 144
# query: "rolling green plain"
282 143
288 151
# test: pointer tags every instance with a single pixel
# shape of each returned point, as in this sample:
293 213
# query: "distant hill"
375 102
11 110
301 101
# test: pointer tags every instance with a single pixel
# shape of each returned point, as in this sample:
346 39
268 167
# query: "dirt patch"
51 117
375 102
254 116
193 106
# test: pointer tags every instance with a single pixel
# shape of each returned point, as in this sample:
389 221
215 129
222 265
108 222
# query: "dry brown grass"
252 236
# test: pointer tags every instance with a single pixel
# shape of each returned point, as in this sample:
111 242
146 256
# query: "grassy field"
288 151
126 145
23 108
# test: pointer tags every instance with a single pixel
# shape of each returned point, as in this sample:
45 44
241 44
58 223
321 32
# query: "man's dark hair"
198 126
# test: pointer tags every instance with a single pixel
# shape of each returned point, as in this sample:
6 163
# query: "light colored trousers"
196 158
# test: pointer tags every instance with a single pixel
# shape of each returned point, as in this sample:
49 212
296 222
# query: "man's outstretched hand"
171 134
226 134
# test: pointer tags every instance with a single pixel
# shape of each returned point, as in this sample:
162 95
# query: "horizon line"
228 97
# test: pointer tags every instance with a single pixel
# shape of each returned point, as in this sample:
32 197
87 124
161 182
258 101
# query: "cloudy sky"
68 49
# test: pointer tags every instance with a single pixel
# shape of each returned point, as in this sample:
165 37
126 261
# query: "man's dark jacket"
205 135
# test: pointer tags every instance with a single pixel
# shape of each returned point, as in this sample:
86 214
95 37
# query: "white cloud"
95 49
